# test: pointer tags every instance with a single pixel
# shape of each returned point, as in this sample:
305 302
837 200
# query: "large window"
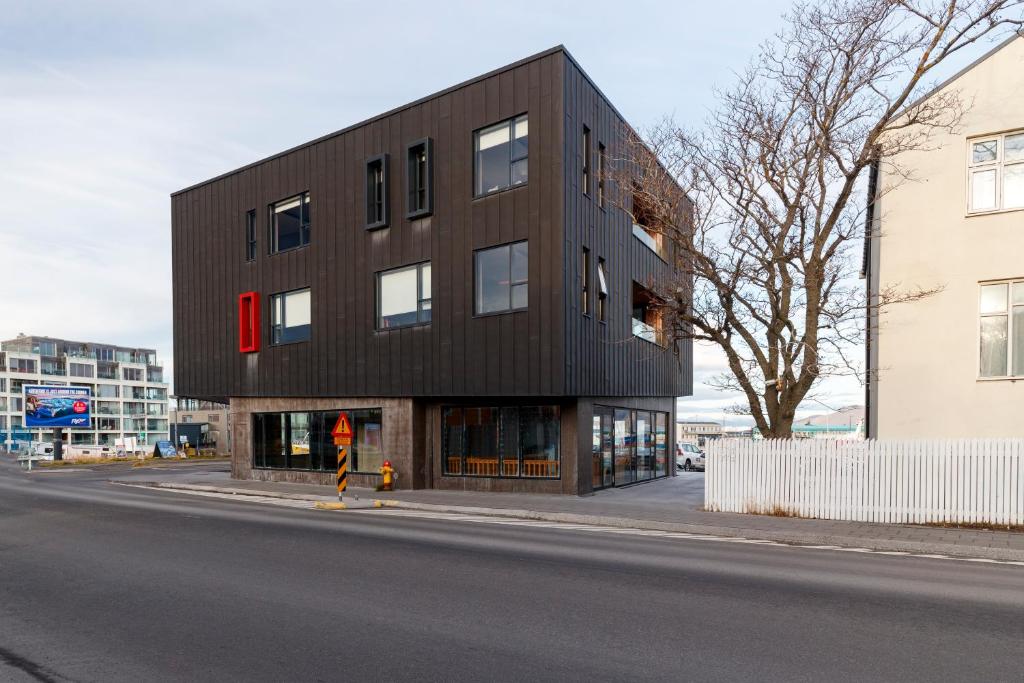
25 365
81 370
501 278
291 317
995 173
131 374
303 441
506 442
420 172
647 315
403 296
377 192
1002 329
629 446
289 225
501 155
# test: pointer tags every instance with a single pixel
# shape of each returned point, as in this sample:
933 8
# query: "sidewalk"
665 505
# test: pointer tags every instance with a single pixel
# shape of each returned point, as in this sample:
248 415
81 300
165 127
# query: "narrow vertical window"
585 281
586 161
602 291
250 235
249 322
377 192
420 178
601 155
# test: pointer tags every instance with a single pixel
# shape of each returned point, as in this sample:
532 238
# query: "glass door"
602 449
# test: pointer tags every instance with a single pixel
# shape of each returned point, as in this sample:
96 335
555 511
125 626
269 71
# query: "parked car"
689 457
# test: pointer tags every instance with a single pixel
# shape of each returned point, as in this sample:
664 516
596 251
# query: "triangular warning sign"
342 428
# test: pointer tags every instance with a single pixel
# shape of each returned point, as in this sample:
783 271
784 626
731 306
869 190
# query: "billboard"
57 406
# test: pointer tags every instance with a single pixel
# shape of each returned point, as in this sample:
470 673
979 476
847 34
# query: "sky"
106 108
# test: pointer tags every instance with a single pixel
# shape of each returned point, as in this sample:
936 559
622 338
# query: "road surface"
109 583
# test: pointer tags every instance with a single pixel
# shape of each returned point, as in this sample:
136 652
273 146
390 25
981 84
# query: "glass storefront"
303 441
505 442
628 446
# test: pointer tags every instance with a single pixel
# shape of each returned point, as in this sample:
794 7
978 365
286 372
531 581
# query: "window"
303 441
1002 329
602 292
585 181
585 284
505 442
644 218
420 178
250 235
131 374
81 370
501 155
403 296
377 192
107 391
248 322
289 227
601 154
291 317
25 365
501 275
995 173
647 318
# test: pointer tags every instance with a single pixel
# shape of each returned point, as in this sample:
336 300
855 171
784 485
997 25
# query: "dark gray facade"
549 351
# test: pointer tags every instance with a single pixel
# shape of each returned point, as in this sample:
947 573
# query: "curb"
787 537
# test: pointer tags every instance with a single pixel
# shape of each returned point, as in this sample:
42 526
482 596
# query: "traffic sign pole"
342 434
342 471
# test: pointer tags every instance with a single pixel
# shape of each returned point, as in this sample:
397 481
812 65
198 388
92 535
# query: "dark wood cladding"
533 353
605 359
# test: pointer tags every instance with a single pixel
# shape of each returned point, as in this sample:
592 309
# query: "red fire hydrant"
388 472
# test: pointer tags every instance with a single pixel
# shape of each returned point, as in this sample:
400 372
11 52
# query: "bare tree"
767 234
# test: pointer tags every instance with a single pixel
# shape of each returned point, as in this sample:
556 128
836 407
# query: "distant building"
697 432
845 423
127 383
212 419
952 217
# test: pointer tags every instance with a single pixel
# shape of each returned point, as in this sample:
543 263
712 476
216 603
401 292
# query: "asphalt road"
107 583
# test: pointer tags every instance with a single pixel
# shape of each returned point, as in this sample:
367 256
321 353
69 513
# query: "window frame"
411 177
512 158
250 235
998 165
420 298
585 281
305 229
1007 312
602 155
384 218
284 314
602 291
585 171
511 283
500 410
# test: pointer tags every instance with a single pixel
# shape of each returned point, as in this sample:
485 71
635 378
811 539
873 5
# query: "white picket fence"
976 481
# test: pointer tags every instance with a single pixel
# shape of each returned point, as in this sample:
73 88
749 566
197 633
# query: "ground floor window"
628 446
507 442
303 441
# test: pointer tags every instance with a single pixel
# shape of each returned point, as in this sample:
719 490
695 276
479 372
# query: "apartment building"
453 274
127 384
951 365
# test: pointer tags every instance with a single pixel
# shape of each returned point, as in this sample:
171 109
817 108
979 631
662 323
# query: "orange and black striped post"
342 471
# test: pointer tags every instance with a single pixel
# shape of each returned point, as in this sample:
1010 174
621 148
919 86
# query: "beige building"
950 365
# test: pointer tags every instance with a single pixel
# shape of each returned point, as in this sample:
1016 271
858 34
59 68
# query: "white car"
689 457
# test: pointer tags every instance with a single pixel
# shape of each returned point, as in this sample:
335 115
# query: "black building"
456 276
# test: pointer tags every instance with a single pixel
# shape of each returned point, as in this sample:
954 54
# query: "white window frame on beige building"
1011 304
1000 167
